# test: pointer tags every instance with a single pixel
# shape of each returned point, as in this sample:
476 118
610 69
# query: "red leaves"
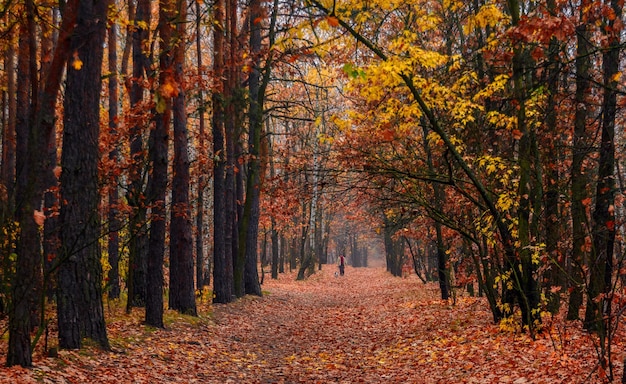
39 217
542 29
537 53
610 225
388 135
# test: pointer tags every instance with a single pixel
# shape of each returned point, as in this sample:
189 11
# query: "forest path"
370 327
364 327
328 328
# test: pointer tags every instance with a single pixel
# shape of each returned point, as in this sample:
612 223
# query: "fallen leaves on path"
364 327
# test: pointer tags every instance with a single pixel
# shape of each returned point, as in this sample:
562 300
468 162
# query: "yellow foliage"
325 139
506 201
497 85
616 77
536 251
455 63
500 120
509 325
535 107
169 90
489 15
434 139
452 5
458 143
142 24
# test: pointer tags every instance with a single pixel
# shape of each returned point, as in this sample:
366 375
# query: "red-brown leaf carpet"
364 327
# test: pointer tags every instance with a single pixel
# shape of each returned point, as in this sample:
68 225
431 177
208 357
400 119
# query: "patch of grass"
132 336
89 348
115 308
125 341
171 317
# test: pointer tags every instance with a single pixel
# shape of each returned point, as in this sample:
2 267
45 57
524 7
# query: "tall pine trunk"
80 309
553 277
222 268
182 297
50 241
138 236
598 309
257 85
201 277
443 269
274 232
579 194
10 119
519 266
113 283
22 295
34 134
7 170
158 155
250 221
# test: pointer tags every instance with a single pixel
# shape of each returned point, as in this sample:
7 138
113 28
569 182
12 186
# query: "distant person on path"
342 264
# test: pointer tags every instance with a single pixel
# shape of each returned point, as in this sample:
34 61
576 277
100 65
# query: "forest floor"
364 327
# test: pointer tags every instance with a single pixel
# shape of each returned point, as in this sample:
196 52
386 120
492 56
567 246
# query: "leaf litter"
364 327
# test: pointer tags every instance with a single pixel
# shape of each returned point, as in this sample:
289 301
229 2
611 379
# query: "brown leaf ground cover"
364 327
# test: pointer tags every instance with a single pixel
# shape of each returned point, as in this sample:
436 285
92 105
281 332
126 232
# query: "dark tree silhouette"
80 310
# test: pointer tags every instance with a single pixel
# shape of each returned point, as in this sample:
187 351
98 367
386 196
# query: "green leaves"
353 72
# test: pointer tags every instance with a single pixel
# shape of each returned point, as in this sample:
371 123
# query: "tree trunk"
234 149
257 85
201 279
282 250
326 236
231 231
80 309
182 297
50 241
598 312
274 232
222 268
19 352
553 277
306 256
113 283
394 249
7 175
138 242
579 194
8 137
34 134
322 235
519 265
443 269
51 142
158 155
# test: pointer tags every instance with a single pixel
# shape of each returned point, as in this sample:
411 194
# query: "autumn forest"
206 161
